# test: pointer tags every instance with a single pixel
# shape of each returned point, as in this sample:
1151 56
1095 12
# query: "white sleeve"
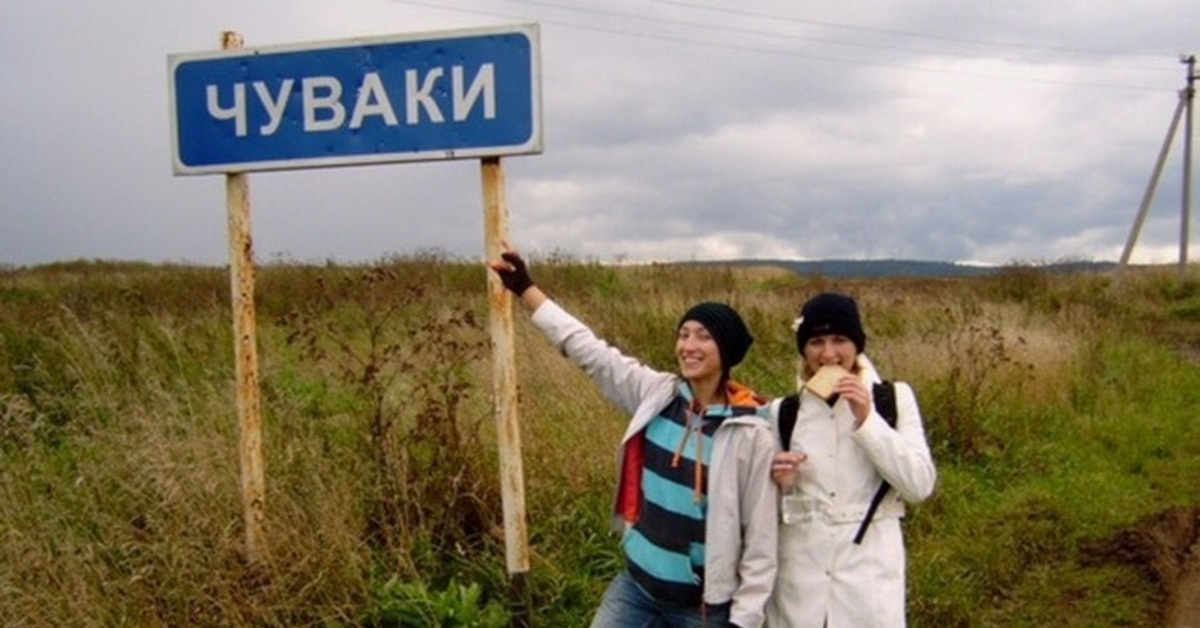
901 455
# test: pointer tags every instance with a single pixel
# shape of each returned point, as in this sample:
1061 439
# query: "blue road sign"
445 95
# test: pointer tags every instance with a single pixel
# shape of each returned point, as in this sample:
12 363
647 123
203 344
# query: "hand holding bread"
824 380
825 383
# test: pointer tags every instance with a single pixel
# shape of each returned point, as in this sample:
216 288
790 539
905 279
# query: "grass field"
1060 408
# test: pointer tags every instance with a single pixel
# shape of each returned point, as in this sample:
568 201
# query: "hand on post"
513 272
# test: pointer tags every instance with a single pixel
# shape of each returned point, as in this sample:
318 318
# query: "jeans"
626 605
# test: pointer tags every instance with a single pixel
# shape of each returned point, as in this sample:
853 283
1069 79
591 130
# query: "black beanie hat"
726 327
830 313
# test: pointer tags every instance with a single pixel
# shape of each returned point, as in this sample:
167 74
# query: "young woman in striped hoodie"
695 503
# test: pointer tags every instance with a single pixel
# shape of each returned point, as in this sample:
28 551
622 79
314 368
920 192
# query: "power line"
775 18
726 28
882 31
758 49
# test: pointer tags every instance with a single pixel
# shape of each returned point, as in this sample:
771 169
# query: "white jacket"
740 528
825 580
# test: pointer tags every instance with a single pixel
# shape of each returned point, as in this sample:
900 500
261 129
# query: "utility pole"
1186 97
1185 221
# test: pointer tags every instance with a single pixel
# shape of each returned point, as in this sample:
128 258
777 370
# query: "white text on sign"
323 110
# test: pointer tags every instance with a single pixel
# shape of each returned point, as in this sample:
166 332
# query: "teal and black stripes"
665 548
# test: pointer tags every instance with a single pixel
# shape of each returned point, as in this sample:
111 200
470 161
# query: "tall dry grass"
119 490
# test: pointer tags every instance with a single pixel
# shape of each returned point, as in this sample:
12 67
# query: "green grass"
1059 408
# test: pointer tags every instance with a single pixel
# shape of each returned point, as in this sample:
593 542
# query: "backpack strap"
789 408
884 394
885 401
885 404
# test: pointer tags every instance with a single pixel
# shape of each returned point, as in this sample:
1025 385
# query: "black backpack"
884 394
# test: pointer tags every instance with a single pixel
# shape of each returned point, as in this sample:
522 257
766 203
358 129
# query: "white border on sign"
532 146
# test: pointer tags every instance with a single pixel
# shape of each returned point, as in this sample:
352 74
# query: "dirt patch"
1167 547
1190 350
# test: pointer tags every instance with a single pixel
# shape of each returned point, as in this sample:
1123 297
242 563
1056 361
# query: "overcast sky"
997 132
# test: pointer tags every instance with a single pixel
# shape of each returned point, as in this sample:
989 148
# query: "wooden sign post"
504 377
466 94
241 279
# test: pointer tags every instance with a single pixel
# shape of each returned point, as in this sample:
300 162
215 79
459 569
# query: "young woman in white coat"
841 450
695 502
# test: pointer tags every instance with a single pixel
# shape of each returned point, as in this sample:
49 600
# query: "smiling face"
697 352
829 349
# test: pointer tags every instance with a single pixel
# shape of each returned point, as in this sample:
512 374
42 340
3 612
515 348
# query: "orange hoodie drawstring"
693 415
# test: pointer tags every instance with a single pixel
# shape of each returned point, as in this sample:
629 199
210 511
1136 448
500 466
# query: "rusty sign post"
504 383
241 280
241 275
465 94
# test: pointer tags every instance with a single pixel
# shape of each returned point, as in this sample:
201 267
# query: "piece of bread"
822 382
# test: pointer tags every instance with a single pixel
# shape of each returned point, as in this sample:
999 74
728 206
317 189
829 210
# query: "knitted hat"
830 313
726 327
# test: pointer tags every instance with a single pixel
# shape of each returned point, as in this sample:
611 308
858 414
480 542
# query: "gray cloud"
673 130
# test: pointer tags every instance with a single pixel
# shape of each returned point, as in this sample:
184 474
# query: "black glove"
517 280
